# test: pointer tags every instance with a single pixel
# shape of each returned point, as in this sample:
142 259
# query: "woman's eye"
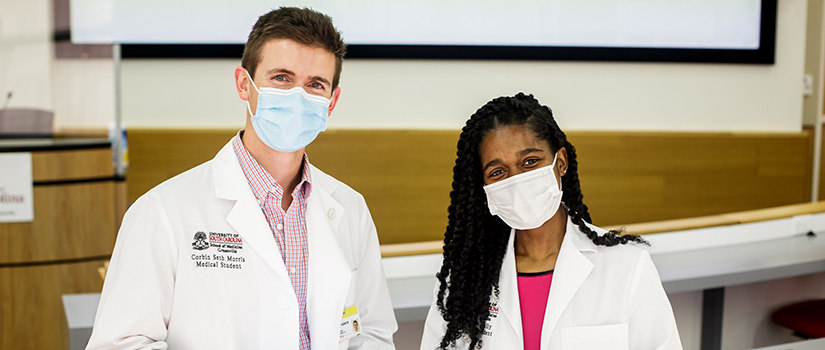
496 172
530 161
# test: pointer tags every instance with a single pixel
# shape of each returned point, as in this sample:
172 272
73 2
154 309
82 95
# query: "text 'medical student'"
256 248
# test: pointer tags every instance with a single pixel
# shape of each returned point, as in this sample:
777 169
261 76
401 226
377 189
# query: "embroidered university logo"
200 242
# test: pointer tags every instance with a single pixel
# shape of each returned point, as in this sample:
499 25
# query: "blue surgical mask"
288 119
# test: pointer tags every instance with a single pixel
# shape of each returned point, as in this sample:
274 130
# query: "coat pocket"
601 337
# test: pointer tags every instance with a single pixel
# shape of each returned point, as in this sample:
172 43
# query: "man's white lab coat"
196 266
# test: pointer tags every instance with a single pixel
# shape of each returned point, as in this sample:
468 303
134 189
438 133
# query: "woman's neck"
536 250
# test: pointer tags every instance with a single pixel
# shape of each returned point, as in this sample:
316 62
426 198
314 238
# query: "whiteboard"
690 24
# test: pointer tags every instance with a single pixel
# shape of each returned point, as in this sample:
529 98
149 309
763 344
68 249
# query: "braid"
475 241
577 210
474 244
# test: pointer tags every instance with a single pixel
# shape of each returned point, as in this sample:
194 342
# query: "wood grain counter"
78 204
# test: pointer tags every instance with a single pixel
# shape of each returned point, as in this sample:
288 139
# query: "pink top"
288 227
533 289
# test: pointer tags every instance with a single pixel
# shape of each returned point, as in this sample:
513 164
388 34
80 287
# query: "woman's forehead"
511 138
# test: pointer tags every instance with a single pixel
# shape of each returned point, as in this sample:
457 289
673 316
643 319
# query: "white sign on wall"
16 195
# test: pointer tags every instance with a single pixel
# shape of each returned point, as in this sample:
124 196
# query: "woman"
523 267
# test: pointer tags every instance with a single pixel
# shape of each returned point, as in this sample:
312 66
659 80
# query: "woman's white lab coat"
600 298
228 288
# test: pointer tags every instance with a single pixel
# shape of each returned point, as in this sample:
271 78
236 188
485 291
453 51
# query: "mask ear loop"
252 81
248 107
561 172
555 158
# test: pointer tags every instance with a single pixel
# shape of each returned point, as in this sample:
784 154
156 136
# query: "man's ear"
242 83
333 100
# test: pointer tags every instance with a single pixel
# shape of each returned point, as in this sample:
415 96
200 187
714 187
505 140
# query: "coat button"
331 214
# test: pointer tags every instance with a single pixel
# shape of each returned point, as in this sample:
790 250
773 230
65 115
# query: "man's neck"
284 167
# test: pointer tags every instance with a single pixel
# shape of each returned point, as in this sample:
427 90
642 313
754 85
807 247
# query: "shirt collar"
260 181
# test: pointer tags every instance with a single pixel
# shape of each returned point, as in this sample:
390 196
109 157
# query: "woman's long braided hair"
475 241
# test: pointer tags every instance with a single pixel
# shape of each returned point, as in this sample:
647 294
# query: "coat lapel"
508 287
246 216
572 269
329 270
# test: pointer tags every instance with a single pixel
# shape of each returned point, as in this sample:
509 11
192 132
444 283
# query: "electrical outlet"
808 85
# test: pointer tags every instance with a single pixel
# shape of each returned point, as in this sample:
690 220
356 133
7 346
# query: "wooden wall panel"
72 164
159 154
638 177
627 177
31 309
77 207
70 221
405 176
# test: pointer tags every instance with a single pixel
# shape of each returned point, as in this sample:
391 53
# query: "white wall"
416 94
83 92
25 53
442 94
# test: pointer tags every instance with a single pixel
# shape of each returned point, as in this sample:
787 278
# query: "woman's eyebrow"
529 150
491 163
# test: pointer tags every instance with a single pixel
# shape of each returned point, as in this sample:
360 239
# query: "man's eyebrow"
321 79
280 70
491 163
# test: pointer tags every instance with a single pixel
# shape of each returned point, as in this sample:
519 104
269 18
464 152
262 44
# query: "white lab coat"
600 298
157 296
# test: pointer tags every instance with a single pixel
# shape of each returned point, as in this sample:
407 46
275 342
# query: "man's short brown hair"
302 25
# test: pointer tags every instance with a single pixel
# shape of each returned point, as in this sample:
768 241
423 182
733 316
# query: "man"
255 248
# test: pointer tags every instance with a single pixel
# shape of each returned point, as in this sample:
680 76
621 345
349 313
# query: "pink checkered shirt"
289 228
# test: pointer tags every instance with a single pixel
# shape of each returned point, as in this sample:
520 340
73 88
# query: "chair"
806 319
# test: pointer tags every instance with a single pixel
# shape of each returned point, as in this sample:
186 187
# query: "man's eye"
280 78
317 86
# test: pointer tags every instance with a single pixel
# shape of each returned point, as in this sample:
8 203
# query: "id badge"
350 324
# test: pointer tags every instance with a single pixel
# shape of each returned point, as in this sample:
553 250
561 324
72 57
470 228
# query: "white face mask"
526 201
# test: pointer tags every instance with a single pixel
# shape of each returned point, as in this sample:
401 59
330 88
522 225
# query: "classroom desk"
812 344
713 269
687 261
